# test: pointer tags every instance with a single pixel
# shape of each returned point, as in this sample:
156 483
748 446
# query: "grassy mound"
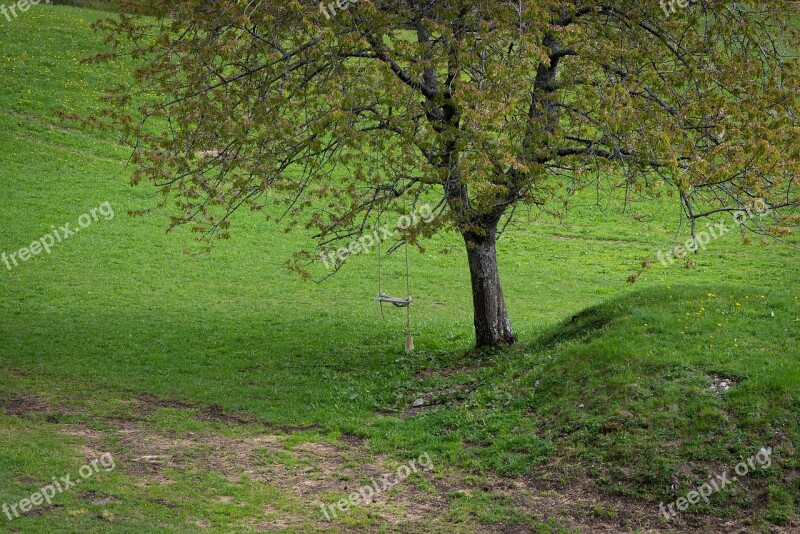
647 395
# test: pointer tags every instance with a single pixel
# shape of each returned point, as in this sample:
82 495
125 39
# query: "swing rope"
409 337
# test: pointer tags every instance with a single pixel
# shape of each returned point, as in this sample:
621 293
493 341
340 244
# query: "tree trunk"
492 325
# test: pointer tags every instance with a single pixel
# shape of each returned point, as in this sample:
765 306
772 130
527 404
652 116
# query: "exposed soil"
24 404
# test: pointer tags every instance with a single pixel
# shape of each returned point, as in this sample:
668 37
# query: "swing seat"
399 302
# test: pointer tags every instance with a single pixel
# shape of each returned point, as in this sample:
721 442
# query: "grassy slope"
122 307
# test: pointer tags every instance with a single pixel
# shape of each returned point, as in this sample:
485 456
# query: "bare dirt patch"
721 384
23 404
309 471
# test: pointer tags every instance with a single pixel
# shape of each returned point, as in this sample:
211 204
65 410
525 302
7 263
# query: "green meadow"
235 396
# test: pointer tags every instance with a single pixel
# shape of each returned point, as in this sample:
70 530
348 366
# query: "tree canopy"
344 113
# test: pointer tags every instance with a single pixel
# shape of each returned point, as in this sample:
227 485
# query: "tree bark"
492 325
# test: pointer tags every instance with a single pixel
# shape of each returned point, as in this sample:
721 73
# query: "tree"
348 111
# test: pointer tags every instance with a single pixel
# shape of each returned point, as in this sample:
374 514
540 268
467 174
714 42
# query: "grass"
610 385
